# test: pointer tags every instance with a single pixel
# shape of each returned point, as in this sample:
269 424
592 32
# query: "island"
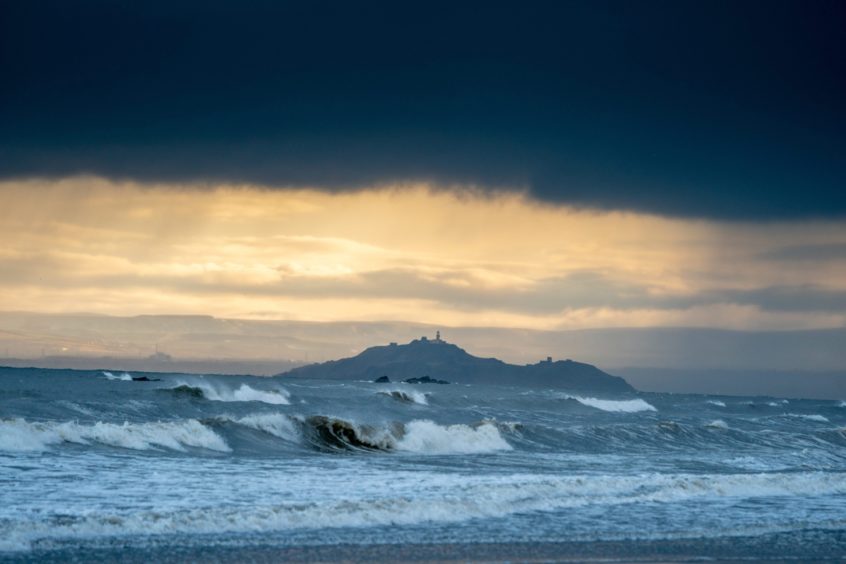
427 359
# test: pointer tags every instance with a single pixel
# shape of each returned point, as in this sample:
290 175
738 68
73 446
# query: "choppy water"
90 459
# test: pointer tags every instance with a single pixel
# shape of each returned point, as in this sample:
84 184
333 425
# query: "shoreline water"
819 546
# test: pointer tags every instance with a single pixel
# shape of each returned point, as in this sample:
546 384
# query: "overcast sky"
560 165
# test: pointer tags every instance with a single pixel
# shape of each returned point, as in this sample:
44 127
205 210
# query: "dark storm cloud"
705 109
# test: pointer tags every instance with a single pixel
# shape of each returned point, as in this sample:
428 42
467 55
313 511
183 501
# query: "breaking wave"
718 403
126 376
622 406
244 392
19 435
276 424
406 396
419 436
428 437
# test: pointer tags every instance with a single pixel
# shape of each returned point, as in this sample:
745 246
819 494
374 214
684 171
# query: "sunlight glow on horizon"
416 253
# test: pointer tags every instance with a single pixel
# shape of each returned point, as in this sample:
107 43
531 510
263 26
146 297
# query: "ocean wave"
244 392
809 417
425 436
276 424
718 403
447 501
419 436
19 435
407 396
126 376
620 406
778 403
338 433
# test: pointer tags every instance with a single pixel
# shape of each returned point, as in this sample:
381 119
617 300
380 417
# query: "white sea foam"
425 436
445 500
842 404
244 392
778 403
622 406
809 417
718 424
718 403
126 376
19 435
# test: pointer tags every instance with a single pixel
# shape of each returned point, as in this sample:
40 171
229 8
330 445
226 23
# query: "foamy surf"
514 467
718 403
418 436
445 499
423 436
126 376
618 406
244 392
19 435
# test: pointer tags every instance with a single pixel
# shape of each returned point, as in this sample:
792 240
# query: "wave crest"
19 435
426 436
406 396
244 392
419 436
126 376
617 406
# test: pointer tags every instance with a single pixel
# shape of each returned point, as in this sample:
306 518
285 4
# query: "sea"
96 466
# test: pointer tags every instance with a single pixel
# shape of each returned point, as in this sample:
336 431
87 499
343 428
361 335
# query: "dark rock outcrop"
425 380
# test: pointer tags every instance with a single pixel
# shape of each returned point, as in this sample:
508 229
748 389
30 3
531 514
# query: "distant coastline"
426 358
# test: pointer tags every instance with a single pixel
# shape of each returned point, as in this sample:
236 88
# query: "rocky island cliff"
438 359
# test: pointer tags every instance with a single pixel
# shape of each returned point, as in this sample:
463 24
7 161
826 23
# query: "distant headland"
438 359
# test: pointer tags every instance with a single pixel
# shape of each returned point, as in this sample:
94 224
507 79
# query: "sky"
544 165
